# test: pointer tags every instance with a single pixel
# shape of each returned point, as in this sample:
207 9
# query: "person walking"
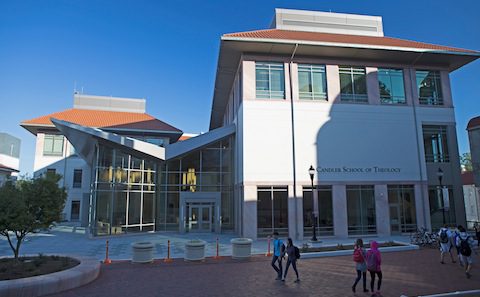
477 233
293 254
278 253
465 243
359 257
374 262
455 233
444 236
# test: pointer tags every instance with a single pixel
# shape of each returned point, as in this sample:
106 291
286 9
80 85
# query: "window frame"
436 100
353 97
393 97
270 94
53 138
77 184
311 69
441 144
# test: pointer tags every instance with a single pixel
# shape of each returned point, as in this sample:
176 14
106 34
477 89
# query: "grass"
33 266
341 247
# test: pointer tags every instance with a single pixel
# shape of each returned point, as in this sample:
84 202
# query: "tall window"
272 210
325 211
77 178
53 145
436 199
435 143
312 82
401 201
270 81
361 210
353 84
390 82
429 87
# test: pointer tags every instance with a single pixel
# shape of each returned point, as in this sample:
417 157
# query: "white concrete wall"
370 143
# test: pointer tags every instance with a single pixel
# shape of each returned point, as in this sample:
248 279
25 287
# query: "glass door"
395 218
200 217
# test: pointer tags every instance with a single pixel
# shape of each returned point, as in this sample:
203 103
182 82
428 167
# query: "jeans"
359 276
279 268
372 282
294 265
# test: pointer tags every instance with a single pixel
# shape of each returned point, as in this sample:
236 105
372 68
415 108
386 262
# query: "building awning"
7 169
183 147
84 139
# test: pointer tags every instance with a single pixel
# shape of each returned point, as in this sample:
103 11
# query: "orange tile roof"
342 38
104 119
473 123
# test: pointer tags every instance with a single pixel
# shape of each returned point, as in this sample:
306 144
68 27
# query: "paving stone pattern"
410 273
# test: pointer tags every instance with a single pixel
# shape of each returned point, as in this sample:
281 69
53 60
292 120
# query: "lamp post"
440 177
311 171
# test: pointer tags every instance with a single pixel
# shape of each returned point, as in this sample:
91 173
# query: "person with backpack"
278 254
444 236
359 257
465 243
293 254
455 233
477 233
374 262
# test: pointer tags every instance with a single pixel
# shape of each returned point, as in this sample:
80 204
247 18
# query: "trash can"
195 250
241 248
142 252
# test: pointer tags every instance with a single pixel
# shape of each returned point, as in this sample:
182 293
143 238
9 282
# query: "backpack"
372 262
297 252
282 250
358 256
465 249
443 236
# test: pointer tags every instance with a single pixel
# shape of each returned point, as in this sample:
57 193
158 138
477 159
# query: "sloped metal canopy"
84 140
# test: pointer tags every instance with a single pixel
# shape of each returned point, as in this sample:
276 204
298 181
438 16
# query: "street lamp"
440 177
311 171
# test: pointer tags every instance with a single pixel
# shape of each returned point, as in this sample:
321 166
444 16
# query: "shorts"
445 247
466 260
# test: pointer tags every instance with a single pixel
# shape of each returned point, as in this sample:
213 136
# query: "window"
390 82
436 199
53 145
51 171
77 178
272 210
429 87
324 214
435 143
361 210
270 81
401 201
75 211
353 84
312 83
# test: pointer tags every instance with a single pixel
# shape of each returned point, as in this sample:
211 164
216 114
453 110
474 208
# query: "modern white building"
53 153
9 157
373 115
471 180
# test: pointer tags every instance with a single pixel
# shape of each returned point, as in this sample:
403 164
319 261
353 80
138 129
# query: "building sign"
347 169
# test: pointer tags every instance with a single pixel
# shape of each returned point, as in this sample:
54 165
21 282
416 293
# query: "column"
382 211
340 216
250 212
422 206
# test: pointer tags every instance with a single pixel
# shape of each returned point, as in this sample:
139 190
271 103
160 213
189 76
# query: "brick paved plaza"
410 273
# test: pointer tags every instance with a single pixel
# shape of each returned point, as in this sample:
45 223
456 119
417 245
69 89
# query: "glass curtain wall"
361 210
272 211
125 188
401 200
205 170
325 211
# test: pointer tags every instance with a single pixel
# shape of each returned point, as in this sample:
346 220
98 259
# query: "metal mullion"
128 191
141 193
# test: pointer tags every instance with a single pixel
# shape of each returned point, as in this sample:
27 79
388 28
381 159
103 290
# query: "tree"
466 162
28 206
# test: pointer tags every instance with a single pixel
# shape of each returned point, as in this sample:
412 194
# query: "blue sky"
166 52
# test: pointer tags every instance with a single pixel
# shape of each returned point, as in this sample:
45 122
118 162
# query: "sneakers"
442 262
468 274
365 290
278 278
353 289
283 279
298 280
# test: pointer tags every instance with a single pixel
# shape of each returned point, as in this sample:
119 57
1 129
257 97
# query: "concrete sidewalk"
72 240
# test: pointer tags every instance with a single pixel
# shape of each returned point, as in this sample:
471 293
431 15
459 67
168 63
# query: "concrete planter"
241 248
195 250
142 252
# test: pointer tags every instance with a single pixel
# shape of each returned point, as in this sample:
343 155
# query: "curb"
457 293
84 273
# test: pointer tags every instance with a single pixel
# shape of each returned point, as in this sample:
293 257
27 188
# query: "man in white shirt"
445 245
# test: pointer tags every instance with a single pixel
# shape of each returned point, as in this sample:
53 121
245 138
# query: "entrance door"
200 218
395 218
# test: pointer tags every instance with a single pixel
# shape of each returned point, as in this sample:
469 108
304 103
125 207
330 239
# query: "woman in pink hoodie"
374 262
